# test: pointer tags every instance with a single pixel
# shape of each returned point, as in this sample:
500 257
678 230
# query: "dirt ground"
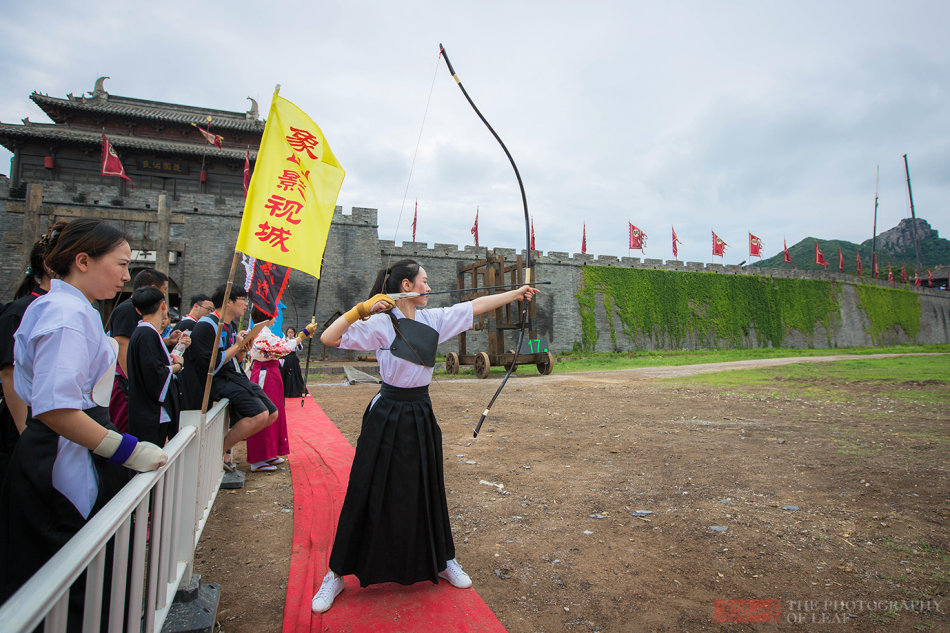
838 511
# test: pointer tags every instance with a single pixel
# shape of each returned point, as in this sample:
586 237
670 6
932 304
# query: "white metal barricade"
149 531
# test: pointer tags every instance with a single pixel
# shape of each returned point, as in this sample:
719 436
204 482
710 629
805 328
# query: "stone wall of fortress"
204 243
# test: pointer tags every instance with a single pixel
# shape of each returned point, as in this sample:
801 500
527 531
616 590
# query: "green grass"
909 371
573 362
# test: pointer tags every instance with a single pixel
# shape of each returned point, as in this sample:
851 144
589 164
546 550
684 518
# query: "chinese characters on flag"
755 246
718 245
267 284
292 193
638 238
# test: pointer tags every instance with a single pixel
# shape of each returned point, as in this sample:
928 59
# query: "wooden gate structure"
473 281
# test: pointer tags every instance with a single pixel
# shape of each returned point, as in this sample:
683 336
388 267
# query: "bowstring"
412 164
402 207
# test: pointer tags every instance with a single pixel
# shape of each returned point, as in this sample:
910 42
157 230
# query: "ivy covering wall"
887 308
672 309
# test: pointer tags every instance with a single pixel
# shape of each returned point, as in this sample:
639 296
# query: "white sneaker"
329 590
454 574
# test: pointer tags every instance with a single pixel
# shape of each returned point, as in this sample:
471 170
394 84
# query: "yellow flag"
293 192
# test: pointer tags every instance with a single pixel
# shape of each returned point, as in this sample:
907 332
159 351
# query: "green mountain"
895 245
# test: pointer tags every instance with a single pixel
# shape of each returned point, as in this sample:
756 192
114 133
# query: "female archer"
394 524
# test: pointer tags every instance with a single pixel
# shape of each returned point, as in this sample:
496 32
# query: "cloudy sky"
760 116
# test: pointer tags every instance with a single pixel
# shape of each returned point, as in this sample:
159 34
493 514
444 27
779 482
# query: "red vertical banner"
859 264
111 163
584 239
247 170
415 218
533 247
903 273
638 238
840 260
675 241
875 271
788 256
475 227
819 257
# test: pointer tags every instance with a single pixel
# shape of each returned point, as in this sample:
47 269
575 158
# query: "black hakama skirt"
294 385
394 525
36 520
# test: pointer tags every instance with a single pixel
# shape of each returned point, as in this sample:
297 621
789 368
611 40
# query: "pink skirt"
271 441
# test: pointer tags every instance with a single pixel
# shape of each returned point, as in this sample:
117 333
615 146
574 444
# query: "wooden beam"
100 213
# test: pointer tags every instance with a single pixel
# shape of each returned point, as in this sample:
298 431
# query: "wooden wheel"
451 363
508 366
482 365
546 364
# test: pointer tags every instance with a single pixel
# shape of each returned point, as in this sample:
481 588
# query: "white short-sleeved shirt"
59 354
377 333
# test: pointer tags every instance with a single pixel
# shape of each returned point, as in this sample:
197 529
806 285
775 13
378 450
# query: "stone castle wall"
204 243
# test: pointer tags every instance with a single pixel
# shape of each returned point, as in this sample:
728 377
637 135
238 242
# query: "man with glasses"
251 409
201 305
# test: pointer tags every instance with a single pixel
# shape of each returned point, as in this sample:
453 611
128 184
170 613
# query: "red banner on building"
718 245
675 241
819 257
475 227
787 256
755 246
637 237
111 164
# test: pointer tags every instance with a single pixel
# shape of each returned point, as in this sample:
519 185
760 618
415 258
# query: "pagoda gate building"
182 209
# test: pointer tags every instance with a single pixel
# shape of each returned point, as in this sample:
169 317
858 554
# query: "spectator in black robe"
154 394
294 384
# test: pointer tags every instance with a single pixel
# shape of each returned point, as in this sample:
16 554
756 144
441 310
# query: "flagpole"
913 215
313 319
877 179
217 338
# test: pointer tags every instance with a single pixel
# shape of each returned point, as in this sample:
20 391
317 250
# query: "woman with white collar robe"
394 524
69 461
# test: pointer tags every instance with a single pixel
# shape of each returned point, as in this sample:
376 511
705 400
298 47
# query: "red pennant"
111 164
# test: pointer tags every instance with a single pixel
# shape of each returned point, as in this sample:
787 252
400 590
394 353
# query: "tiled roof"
147 110
58 133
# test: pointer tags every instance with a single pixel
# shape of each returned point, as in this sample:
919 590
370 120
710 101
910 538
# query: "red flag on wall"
247 170
755 246
475 227
930 278
916 278
875 271
111 164
415 218
903 273
859 264
637 237
718 245
890 273
675 240
819 258
532 236
787 256
840 260
584 239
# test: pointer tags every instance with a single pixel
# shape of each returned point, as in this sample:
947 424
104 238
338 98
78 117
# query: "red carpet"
320 461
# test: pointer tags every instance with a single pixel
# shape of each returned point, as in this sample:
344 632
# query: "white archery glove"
128 451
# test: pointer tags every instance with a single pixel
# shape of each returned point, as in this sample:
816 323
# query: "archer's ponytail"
388 280
37 268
